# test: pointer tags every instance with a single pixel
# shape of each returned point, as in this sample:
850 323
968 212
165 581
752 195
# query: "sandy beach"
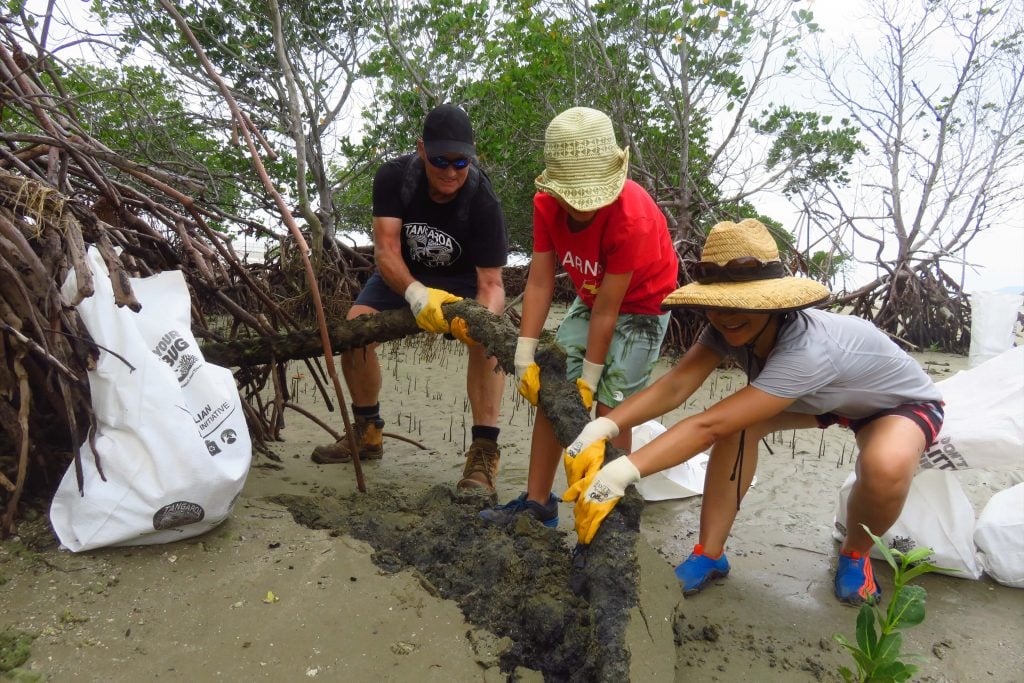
262 597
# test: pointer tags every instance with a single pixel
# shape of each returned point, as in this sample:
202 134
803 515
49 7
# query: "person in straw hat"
613 241
806 368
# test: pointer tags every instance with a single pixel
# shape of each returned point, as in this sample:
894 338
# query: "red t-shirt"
628 235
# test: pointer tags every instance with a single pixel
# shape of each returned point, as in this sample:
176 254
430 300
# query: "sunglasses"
742 269
444 162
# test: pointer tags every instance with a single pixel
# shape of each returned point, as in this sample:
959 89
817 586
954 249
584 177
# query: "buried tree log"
605 573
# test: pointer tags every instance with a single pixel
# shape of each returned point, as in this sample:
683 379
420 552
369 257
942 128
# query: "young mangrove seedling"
878 650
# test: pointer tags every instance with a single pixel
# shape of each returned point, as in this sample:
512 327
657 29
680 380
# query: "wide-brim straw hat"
775 293
583 164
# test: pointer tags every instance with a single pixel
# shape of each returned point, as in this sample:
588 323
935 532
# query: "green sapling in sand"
878 650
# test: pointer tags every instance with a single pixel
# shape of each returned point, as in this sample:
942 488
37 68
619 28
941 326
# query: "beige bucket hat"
740 270
583 163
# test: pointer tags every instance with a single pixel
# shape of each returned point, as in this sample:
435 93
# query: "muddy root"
519 582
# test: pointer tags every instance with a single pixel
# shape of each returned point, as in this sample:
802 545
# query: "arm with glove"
490 293
603 318
663 396
582 469
424 301
597 494
540 287
598 491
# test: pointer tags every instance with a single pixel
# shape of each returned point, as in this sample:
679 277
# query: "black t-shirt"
439 239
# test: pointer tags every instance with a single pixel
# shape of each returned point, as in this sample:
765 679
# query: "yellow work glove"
587 382
460 330
526 347
596 430
529 383
426 306
586 393
601 493
585 464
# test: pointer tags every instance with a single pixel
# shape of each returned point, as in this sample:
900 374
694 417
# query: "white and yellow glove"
426 306
587 382
596 430
585 464
601 492
527 371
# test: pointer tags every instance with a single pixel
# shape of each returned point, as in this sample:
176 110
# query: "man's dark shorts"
377 295
927 416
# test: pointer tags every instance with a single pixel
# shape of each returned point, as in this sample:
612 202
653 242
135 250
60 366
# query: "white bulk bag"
993 319
999 535
984 423
171 435
937 515
680 481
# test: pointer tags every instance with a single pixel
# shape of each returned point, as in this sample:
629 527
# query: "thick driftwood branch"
606 571
344 335
497 334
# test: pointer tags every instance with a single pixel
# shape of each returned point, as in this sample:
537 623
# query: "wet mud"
705 645
564 613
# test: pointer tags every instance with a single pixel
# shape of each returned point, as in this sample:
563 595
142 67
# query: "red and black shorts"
928 416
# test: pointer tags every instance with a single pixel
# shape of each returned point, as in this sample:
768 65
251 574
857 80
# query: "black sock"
482 432
369 412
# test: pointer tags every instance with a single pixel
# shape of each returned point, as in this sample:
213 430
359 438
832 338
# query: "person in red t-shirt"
613 241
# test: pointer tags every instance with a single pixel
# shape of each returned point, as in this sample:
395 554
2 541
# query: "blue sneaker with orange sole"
699 569
855 580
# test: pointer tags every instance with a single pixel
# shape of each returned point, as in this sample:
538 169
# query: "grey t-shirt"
834 363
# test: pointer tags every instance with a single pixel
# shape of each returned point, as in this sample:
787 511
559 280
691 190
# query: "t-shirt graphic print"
429 246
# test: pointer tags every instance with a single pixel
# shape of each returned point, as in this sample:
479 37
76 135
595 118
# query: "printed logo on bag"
178 514
171 349
228 436
186 368
210 418
212 447
943 455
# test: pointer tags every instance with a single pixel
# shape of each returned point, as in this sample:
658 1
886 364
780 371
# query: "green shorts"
634 349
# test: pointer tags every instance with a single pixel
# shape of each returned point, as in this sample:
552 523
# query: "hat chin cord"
737 466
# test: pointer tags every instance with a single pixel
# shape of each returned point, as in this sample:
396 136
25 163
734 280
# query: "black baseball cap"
447 130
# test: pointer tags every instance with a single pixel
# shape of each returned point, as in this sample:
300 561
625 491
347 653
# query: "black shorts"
928 416
379 296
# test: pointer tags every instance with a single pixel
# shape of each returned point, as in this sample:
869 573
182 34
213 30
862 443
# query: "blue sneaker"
503 515
699 569
855 580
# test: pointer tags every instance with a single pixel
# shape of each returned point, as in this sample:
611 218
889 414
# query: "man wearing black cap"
439 235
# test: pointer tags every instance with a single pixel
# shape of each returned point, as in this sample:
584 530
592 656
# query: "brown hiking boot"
369 436
481 465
